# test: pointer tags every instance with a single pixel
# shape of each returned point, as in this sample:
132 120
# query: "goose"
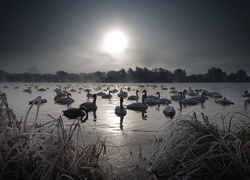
162 100
74 113
37 101
138 106
107 96
65 100
120 110
169 111
90 107
246 94
223 101
134 97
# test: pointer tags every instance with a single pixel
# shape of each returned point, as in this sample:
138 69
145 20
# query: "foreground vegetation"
45 151
195 149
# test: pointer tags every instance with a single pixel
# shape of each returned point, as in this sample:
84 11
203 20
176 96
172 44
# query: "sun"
115 42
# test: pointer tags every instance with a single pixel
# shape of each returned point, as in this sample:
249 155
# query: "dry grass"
196 148
45 151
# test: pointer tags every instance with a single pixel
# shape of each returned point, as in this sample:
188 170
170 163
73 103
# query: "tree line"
138 75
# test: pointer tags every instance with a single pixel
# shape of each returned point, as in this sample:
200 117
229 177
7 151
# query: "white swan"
107 96
162 100
74 113
88 94
185 101
90 107
37 101
138 106
169 111
120 110
134 97
224 101
122 93
149 96
28 90
246 94
200 98
65 100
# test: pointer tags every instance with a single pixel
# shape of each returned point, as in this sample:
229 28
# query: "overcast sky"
193 35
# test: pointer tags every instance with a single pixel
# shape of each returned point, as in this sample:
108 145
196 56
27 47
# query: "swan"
107 96
100 93
150 96
89 94
28 90
65 100
163 88
134 97
90 107
169 111
122 93
224 101
246 94
184 101
162 100
138 106
37 101
200 98
217 95
74 113
120 110
177 97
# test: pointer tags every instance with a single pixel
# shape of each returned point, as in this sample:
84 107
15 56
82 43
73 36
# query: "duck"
120 110
138 106
74 113
65 100
223 101
169 111
162 100
90 106
134 97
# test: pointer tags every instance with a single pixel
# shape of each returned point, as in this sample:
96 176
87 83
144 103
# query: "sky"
68 35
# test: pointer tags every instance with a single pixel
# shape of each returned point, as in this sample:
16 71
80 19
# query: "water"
133 121
134 135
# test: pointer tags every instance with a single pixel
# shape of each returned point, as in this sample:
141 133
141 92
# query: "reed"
29 150
195 147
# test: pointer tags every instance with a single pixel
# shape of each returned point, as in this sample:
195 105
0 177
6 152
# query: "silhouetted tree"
180 75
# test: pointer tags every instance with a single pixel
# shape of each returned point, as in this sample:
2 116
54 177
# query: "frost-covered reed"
29 150
197 148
